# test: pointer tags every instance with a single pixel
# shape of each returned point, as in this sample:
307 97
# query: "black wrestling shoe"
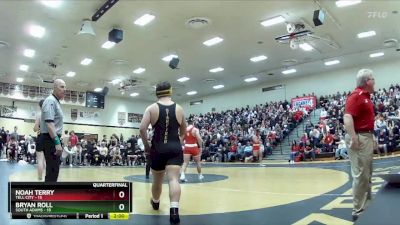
174 216
354 218
156 206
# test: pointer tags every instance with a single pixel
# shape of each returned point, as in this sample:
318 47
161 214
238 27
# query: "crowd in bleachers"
227 135
328 136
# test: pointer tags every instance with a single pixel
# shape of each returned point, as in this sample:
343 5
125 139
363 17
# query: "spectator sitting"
116 155
232 151
295 151
248 152
382 142
309 151
69 153
328 143
391 146
341 151
268 148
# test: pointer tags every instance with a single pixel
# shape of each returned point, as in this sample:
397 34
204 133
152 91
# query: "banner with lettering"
310 101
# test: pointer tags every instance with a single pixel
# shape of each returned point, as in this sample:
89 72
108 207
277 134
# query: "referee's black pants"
52 160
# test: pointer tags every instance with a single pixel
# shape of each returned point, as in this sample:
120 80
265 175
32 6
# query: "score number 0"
121 194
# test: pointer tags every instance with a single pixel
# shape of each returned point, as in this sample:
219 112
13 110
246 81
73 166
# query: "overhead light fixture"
108 44
218 86
306 47
289 71
183 79
98 89
191 93
71 74
86 61
169 57
116 81
366 34
144 20
213 41
332 62
29 53
250 79
134 94
377 54
52 3
139 70
20 79
216 70
273 21
37 31
344 3
258 58
23 67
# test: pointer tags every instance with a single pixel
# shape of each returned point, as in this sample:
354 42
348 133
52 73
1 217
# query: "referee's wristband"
57 141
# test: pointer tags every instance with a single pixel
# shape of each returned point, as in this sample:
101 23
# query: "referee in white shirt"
51 126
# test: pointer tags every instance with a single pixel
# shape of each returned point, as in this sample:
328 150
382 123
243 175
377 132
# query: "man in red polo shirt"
359 122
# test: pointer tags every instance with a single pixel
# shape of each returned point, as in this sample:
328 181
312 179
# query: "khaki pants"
361 170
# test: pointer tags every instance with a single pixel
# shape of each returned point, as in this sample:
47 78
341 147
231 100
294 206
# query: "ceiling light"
86 61
115 81
71 74
250 79
37 31
332 62
216 70
169 58
20 79
29 53
258 58
378 54
344 3
306 47
289 71
366 34
145 19
213 41
23 67
134 94
273 21
52 3
183 79
218 86
98 89
108 44
191 93
139 70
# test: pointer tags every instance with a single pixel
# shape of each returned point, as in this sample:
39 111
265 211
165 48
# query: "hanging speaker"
319 17
115 35
173 64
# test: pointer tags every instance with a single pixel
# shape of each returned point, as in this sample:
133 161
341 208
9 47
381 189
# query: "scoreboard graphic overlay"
70 200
